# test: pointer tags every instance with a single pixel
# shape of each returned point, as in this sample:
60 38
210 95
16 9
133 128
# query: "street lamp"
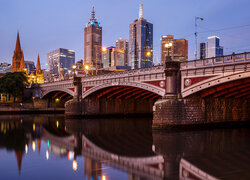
74 69
196 18
168 46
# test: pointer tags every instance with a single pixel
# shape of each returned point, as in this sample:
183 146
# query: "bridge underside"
120 100
57 98
234 89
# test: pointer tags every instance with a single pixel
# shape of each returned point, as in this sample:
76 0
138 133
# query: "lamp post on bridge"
172 68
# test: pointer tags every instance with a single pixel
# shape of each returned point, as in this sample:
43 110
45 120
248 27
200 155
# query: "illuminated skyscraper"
60 57
123 45
140 42
93 42
178 51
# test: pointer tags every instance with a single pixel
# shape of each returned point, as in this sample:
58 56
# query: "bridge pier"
172 109
74 107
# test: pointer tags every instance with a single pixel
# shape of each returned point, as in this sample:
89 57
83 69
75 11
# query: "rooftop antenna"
141 11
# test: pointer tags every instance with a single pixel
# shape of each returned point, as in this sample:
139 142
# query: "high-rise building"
106 56
123 45
18 58
203 51
93 42
60 57
140 42
213 47
178 51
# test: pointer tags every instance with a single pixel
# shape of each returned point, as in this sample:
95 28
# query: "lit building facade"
213 47
106 56
60 57
140 42
178 51
93 43
29 66
123 45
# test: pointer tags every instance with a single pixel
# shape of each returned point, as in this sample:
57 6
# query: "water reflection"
126 145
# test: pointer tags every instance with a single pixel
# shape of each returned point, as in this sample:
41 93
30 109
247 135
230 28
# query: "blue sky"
46 25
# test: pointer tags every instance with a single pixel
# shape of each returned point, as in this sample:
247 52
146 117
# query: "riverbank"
12 111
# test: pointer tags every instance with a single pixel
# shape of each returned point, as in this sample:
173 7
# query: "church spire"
18 44
38 65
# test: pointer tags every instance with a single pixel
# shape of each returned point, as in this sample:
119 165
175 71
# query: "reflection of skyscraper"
178 51
140 42
58 57
93 43
213 47
123 45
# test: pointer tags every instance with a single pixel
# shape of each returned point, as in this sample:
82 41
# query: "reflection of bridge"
145 164
136 91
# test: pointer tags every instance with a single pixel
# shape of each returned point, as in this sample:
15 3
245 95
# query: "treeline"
12 84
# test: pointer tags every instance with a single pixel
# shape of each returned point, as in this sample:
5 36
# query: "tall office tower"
203 50
123 45
213 47
93 42
106 56
60 57
178 51
140 42
18 58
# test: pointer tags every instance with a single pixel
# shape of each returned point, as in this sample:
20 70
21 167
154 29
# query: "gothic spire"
38 65
18 45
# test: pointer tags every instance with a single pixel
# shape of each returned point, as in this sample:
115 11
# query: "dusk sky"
50 24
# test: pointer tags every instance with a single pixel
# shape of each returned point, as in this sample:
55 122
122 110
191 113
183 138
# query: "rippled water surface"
53 147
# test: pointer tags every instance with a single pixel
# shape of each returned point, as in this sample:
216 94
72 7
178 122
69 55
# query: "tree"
13 84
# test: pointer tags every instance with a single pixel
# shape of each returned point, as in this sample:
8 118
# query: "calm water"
52 147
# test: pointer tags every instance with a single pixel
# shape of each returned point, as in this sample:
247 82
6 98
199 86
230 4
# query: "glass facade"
202 50
140 44
213 47
60 57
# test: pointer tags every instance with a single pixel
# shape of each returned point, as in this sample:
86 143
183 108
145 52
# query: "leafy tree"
13 84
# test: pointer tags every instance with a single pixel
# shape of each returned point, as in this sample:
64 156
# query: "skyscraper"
106 56
140 42
203 51
213 47
123 45
93 42
178 51
58 57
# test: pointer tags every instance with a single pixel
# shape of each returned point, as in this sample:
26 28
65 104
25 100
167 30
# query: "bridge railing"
230 59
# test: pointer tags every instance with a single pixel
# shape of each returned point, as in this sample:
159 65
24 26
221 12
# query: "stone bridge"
139 90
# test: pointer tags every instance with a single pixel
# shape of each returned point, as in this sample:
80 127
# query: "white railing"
216 61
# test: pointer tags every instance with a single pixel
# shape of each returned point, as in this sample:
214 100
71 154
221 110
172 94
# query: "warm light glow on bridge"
74 165
104 177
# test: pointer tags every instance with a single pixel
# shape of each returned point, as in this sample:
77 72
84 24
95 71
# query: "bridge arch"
143 86
65 90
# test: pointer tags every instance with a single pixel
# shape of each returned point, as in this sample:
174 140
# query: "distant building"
30 66
203 51
106 56
114 59
123 45
60 57
5 67
93 43
213 47
178 51
140 42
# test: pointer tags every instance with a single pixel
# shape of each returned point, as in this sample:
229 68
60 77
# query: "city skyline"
50 32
